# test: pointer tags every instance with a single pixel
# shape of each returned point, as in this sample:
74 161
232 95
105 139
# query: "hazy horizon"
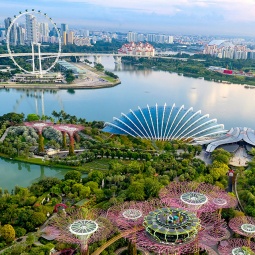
200 17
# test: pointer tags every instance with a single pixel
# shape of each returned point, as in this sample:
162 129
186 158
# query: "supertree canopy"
236 246
69 129
162 230
243 225
196 197
171 225
165 123
39 126
131 213
80 227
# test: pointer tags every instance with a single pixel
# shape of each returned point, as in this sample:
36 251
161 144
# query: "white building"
31 29
139 49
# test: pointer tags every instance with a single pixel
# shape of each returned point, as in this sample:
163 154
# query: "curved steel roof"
165 123
234 135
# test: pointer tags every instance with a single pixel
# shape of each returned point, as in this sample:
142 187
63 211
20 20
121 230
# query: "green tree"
8 233
73 175
69 75
218 170
151 187
135 191
33 117
221 156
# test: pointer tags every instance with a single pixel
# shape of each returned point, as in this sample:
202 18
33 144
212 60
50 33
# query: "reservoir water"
232 105
23 174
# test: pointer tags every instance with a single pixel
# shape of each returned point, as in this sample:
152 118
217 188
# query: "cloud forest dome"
165 123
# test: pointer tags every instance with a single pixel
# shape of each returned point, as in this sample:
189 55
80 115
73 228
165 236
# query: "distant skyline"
203 17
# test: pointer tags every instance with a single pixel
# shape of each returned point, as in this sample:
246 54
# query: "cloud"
196 16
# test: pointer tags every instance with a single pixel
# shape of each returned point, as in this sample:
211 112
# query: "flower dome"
165 123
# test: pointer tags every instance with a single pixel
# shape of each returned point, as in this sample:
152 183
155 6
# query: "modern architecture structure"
165 123
171 225
233 139
70 37
31 29
132 37
64 65
13 32
226 49
63 32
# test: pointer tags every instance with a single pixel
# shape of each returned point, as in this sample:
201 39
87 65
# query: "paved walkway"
240 158
115 238
4 135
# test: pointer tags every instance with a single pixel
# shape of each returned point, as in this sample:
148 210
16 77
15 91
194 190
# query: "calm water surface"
22 174
232 105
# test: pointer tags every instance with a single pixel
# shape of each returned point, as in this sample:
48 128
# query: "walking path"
115 238
240 157
4 135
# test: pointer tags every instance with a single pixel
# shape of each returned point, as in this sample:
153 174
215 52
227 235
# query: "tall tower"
13 32
64 31
21 35
31 29
70 37
44 32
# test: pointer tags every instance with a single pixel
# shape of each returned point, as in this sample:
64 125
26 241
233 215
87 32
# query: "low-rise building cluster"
139 49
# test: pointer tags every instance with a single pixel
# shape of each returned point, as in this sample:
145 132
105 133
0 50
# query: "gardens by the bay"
138 197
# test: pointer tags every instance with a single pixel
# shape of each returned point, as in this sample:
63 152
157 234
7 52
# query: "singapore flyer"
37 33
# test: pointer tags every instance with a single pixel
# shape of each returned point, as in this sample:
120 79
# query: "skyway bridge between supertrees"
186 219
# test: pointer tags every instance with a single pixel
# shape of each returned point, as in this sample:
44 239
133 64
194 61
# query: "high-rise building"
170 39
151 38
140 38
132 37
21 32
64 37
64 31
31 29
70 37
13 32
44 32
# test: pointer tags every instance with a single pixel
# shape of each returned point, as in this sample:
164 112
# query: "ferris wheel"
34 43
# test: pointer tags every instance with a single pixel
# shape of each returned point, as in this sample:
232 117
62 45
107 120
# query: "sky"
196 17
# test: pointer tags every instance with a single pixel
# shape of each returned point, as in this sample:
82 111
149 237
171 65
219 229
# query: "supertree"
236 246
80 227
160 230
214 230
243 225
129 217
39 126
196 197
69 129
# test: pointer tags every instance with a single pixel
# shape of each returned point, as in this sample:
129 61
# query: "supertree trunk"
84 249
64 140
71 145
40 143
132 248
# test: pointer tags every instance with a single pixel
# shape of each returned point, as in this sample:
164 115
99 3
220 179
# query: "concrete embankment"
60 86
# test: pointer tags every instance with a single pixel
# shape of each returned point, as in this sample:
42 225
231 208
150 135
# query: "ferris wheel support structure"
41 71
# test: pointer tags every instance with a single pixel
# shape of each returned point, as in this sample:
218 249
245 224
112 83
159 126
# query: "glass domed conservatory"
165 123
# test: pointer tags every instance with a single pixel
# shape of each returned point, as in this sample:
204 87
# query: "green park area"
118 168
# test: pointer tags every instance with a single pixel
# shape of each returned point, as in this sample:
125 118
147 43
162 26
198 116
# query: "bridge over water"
85 54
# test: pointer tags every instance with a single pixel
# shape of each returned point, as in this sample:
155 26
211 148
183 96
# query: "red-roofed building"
139 49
